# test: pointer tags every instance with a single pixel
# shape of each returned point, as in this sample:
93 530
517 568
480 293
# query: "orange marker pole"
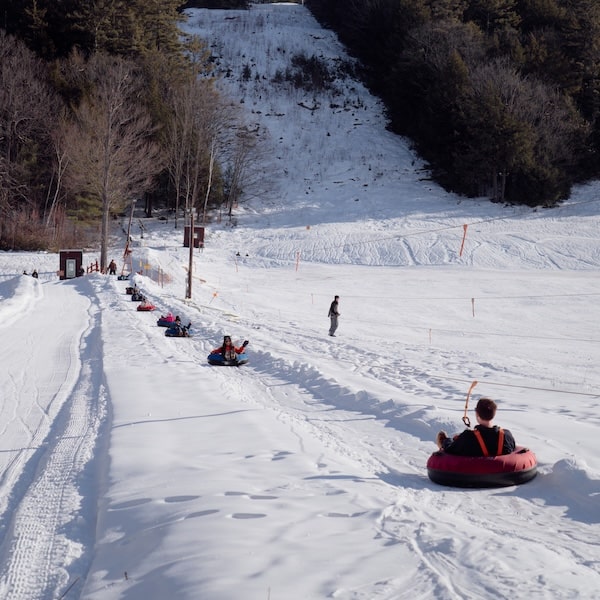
465 226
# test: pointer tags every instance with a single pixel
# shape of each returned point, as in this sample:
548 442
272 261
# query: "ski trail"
32 401
43 537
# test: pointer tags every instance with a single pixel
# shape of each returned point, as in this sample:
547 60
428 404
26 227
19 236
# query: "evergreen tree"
156 25
539 14
124 27
446 9
519 133
217 4
493 15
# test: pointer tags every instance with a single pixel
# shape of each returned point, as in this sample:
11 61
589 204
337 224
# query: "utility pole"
188 293
127 251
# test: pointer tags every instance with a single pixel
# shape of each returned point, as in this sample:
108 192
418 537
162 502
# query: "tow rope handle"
465 418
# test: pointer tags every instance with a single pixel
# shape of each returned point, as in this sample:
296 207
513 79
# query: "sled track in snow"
39 549
400 522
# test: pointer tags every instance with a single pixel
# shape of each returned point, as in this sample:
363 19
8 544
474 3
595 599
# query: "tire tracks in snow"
51 511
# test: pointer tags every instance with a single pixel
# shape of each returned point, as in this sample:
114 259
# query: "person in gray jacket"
333 315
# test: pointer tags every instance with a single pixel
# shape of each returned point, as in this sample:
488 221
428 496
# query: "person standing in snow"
333 315
484 440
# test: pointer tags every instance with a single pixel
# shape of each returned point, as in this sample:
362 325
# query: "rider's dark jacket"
467 444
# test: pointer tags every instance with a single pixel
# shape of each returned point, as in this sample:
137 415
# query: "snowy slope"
131 469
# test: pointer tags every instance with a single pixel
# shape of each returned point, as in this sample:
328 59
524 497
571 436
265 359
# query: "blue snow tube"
178 332
216 358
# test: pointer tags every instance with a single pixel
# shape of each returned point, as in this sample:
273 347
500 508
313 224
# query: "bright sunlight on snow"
132 469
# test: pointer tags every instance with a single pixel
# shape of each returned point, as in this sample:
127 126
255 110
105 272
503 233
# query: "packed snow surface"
132 469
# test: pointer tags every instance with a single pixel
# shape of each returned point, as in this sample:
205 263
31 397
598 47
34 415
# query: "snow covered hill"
131 469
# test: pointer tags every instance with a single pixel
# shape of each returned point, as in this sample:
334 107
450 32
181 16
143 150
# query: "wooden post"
188 293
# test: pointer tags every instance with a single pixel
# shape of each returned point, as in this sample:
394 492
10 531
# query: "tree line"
105 101
501 97
102 103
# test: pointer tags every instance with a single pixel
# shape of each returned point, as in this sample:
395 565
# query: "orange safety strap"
500 441
484 449
481 442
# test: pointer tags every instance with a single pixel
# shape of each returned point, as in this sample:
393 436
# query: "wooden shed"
71 264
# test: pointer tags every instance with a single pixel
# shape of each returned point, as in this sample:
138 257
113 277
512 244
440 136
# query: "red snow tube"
517 467
146 307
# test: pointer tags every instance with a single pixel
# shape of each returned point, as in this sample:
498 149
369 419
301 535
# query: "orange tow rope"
466 419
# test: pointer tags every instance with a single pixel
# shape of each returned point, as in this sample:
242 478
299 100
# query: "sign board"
198 237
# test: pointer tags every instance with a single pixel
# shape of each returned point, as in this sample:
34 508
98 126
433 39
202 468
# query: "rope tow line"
523 387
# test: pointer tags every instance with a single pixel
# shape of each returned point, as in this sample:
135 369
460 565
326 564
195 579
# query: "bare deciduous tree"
61 160
27 110
197 116
247 173
238 160
112 154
